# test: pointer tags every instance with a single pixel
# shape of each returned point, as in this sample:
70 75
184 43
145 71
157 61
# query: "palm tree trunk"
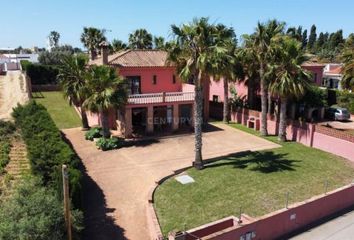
282 121
269 103
84 120
226 101
264 130
105 124
198 122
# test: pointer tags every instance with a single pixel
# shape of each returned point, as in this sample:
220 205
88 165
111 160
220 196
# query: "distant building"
332 75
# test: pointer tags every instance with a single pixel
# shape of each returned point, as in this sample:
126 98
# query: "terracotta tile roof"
312 64
336 70
136 58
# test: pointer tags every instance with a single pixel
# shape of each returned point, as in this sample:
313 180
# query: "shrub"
32 211
346 99
109 143
46 149
315 97
42 74
95 132
6 130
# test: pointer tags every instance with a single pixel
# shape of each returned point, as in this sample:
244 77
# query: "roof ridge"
119 54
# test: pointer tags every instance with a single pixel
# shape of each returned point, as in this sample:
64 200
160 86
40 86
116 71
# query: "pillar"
150 120
175 120
128 123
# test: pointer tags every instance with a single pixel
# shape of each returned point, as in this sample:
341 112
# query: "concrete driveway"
118 182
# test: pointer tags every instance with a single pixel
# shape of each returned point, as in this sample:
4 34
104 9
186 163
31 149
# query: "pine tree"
320 42
312 37
304 39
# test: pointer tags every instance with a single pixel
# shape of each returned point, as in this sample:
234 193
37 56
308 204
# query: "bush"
109 143
315 97
345 99
95 132
47 151
42 74
25 64
34 212
6 130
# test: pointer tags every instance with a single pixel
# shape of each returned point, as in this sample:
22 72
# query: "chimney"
104 52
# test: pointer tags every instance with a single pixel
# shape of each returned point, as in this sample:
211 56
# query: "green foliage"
140 39
95 132
42 74
34 212
345 99
24 64
53 57
6 130
109 143
46 149
314 97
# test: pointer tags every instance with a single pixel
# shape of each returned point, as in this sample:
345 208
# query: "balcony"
164 97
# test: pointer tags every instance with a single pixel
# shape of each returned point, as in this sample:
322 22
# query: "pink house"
157 102
217 87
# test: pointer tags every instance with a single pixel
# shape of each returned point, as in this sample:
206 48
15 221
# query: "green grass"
59 109
257 182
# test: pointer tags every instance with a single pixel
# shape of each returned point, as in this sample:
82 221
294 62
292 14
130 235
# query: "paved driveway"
340 228
118 182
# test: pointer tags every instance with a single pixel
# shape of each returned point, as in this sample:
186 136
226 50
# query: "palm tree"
291 80
194 50
91 38
118 45
348 60
106 91
71 76
159 43
260 45
227 66
140 39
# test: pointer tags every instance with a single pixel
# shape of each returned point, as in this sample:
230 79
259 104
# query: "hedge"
6 130
47 151
41 74
346 99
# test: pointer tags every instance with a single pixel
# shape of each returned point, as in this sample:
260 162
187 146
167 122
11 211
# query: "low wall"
284 222
312 135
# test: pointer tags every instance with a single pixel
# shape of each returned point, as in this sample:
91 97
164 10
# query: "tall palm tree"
227 66
140 39
118 45
291 80
71 76
159 42
106 91
194 50
91 38
260 44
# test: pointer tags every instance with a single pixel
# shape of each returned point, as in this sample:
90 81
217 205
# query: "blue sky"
30 21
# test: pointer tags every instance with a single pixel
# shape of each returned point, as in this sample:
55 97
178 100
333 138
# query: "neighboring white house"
17 58
332 75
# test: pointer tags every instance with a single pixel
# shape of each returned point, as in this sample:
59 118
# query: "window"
134 84
154 80
215 98
174 79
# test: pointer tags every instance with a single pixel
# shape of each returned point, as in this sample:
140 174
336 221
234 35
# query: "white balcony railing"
160 97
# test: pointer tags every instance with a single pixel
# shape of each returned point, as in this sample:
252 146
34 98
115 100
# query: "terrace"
163 97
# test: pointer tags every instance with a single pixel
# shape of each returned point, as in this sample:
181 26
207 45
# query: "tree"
159 43
91 38
106 91
348 61
304 39
53 38
118 45
194 52
34 212
291 80
260 45
227 66
140 39
312 38
320 41
72 75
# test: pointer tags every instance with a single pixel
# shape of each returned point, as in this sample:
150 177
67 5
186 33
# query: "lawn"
257 182
59 109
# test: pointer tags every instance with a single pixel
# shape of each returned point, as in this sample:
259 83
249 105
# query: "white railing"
160 97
